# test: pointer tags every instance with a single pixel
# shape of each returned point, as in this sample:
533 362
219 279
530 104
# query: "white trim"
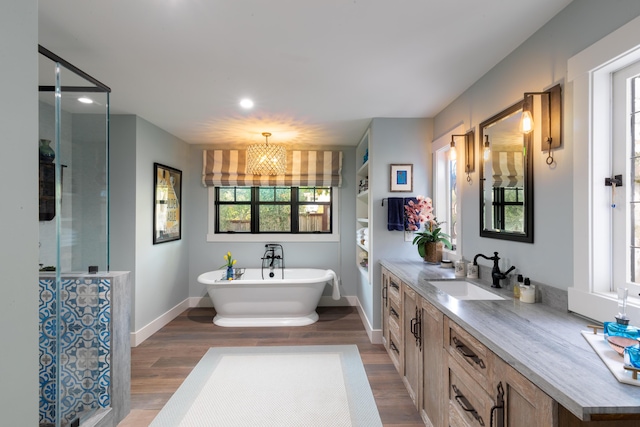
154 326
590 74
375 335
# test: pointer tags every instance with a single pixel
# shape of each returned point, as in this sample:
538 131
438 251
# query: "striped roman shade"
304 168
508 170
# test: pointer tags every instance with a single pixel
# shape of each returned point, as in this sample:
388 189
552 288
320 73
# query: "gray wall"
160 271
19 213
392 141
205 256
537 64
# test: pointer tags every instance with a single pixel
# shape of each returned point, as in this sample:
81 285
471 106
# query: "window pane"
235 218
314 218
266 194
514 218
283 194
314 194
274 218
227 194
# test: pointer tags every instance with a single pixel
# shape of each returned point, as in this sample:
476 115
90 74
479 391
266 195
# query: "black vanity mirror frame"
527 235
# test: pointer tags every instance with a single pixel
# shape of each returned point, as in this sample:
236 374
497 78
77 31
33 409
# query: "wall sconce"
469 152
551 118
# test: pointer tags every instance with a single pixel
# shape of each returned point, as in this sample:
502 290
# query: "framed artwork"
401 178
167 204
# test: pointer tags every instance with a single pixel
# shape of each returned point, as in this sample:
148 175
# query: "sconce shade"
487 147
526 125
452 151
265 159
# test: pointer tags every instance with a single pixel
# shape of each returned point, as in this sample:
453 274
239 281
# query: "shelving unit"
363 207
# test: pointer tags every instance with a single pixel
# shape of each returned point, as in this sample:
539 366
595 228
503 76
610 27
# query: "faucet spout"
496 274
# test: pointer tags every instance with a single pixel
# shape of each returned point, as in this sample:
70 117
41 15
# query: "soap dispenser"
528 292
516 287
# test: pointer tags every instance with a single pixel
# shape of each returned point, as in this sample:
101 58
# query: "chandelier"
265 159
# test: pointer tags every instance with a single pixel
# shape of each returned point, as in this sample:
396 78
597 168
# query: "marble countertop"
542 343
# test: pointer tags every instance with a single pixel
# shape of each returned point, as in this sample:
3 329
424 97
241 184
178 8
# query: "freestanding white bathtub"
252 301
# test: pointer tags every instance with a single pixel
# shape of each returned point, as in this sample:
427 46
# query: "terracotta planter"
433 252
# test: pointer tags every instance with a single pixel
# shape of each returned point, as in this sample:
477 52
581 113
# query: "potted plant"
431 239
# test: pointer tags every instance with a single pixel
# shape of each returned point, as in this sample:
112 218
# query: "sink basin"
459 289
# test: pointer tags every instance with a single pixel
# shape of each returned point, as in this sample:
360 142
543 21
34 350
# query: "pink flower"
419 213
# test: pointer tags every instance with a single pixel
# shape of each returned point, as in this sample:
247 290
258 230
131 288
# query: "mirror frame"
527 236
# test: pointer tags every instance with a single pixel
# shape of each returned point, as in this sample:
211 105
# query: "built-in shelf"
364 169
363 194
363 270
363 220
361 246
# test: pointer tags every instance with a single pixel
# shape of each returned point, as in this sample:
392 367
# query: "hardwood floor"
161 363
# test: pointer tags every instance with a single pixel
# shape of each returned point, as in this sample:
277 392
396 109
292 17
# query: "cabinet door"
433 380
385 308
523 403
469 404
412 326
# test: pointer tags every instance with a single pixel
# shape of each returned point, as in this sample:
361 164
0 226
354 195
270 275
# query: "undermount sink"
460 289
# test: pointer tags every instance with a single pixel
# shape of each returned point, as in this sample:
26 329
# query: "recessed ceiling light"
85 100
246 103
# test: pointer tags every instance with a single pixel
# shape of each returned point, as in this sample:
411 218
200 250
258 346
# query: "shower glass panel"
74 242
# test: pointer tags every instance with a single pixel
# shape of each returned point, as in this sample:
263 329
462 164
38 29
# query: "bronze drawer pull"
499 406
394 285
394 348
384 294
466 405
395 313
466 352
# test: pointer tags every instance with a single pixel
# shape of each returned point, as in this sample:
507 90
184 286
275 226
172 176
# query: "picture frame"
167 204
401 178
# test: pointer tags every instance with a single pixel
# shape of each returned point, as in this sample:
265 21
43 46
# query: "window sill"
250 238
601 306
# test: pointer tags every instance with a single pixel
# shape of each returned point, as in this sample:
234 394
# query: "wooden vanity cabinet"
392 331
412 336
524 404
432 398
455 380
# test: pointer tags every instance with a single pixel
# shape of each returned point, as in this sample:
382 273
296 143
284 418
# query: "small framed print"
401 178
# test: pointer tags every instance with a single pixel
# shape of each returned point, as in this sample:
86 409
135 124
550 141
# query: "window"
604 238
445 188
260 210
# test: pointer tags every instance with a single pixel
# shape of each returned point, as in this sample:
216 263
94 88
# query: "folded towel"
336 286
395 219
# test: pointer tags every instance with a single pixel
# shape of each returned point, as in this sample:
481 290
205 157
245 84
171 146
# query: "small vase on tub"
229 263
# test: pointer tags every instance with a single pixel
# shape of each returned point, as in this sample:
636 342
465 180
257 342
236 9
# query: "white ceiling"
318 70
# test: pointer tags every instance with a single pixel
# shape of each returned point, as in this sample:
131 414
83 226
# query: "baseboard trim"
375 335
139 336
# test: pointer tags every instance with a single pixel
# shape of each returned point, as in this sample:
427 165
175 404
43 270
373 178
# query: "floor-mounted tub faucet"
496 274
271 259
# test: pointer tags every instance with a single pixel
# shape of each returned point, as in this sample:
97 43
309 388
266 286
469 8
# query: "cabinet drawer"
470 354
395 353
469 403
394 327
394 292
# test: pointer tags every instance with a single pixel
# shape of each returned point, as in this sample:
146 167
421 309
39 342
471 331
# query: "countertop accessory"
624 374
528 292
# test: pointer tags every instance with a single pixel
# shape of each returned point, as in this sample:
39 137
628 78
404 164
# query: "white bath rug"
274 386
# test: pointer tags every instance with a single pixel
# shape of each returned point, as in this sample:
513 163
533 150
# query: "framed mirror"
506 178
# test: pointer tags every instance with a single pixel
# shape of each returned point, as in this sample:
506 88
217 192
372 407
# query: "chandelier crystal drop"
265 159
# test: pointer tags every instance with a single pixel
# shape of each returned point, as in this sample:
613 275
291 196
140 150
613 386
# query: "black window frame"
500 203
294 203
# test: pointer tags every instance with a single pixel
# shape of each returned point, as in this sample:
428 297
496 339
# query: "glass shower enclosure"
73 151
